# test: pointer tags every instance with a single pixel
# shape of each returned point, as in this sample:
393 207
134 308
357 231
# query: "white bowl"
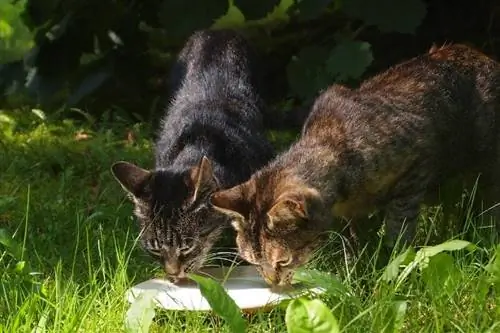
242 283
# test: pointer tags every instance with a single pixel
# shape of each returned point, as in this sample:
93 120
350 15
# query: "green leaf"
387 15
391 271
310 316
441 276
309 9
349 59
397 315
423 255
254 10
181 18
20 267
140 315
6 30
305 72
221 302
327 281
13 248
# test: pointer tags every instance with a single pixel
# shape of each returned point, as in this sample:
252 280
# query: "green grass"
72 254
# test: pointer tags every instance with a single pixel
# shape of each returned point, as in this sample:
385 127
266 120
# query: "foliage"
85 47
221 302
141 313
310 316
15 38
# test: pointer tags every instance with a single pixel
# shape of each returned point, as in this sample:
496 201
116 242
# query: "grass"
68 252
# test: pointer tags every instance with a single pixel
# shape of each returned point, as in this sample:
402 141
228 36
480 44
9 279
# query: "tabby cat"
211 138
382 146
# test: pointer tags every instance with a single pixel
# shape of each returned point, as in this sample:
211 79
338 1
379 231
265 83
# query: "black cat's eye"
185 250
155 253
153 247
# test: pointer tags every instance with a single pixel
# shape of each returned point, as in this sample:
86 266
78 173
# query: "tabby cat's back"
381 146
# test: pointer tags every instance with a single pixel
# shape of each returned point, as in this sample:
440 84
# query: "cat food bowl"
242 283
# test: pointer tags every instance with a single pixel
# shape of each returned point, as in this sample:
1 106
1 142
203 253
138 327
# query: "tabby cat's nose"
270 275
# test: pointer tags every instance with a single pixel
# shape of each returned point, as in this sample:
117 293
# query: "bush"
93 51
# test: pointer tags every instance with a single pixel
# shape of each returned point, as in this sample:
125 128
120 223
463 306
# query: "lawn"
68 252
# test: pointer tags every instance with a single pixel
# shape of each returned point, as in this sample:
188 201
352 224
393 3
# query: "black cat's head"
178 226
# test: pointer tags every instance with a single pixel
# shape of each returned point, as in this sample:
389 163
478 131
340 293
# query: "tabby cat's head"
278 224
177 226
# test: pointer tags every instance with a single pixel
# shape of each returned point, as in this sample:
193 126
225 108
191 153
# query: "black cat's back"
216 107
211 137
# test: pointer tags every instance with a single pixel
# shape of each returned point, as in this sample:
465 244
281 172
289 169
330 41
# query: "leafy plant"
424 259
140 315
15 38
86 49
310 316
221 303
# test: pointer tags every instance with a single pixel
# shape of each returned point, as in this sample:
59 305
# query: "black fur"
216 112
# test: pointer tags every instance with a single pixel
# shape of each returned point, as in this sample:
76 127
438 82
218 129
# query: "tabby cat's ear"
289 211
131 177
203 178
231 202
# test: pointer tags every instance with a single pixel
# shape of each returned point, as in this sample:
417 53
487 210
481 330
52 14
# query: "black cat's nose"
175 273
177 277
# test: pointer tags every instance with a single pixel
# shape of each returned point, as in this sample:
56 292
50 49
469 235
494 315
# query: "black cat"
211 138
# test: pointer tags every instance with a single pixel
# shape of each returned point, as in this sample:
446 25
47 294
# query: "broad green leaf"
310 316
423 255
140 315
305 71
254 10
221 302
233 18
398 315
349 59
391 271
441 276
6 30
323 280
387 15
181 18
13 248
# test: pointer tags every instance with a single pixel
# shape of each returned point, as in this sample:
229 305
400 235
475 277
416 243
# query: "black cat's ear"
131 177
203 178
